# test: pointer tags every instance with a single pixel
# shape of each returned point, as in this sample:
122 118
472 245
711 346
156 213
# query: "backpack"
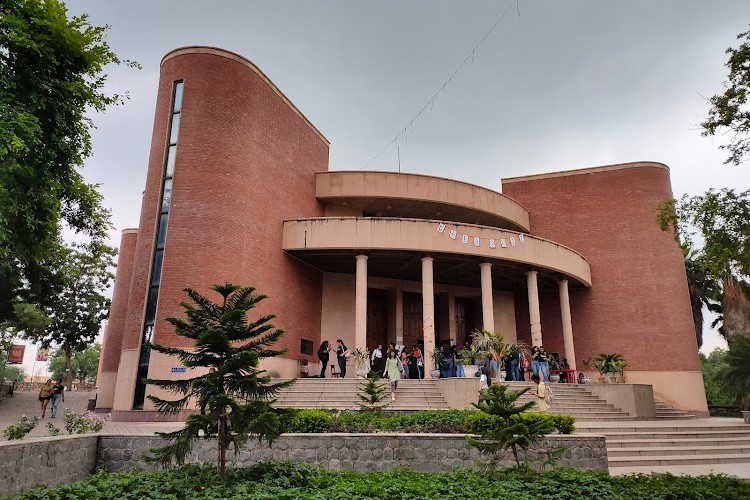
548 396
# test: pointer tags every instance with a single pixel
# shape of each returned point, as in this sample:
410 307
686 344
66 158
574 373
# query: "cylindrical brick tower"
639 305
112 342
231 158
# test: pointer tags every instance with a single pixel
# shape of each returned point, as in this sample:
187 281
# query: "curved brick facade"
639 305
112 343
246 160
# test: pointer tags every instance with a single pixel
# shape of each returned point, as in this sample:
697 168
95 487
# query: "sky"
564 85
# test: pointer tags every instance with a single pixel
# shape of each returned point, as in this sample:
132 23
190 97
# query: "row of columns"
488 309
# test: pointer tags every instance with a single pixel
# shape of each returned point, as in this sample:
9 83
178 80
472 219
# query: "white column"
567 323
428 315
534 317
399 313
360 305
488 307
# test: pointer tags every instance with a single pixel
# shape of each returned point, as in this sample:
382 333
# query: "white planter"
435 374
501 376
555 377
470 371
746 416
361 373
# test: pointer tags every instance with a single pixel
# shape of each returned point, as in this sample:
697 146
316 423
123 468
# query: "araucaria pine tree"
506 429
372 393
235 397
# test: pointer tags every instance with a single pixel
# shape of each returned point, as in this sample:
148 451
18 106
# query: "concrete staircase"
649 446
341 394
668 412
575 400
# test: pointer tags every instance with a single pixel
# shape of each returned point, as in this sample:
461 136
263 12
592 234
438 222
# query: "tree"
13 372
717 393
721 220
51 77
730 111
235 396
78 306
372 393
735 374
84 364
703 290
506 429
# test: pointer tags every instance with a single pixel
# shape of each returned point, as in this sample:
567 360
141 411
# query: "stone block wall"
50 461
360 452
65 459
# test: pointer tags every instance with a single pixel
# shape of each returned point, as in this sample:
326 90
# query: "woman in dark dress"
341 355
323 356
411 362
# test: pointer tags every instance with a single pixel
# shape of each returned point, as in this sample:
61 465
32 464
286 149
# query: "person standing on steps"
323 356
45 394
393 370
541 393
377 358
58 394
342 353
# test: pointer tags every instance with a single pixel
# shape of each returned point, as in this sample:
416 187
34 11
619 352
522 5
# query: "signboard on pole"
15 355
42 355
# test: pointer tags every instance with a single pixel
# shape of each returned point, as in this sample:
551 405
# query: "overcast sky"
568 84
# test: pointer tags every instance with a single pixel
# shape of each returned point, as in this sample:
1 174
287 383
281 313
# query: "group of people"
411 360
324 354
51 393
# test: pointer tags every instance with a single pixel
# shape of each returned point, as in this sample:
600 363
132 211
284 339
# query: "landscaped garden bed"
429 421
286 480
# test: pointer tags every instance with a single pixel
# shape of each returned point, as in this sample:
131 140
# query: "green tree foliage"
371 393
730 111
235 396
12 372
84 364
721 221
77 305
51 77
735 374
717 393
507 430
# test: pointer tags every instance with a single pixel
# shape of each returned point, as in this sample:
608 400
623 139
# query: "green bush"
311 421
298 481
19 430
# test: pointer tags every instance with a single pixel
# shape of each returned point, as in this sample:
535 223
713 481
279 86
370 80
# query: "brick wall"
638 305
246 160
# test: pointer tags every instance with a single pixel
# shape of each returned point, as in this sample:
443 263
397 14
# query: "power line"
431 101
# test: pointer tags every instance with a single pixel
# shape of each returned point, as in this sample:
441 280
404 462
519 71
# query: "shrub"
311 421
81 424
19 430
298 481
52 429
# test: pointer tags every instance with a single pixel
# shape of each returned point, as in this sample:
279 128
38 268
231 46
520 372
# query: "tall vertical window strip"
158 252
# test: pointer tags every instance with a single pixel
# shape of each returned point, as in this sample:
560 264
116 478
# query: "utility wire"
431 101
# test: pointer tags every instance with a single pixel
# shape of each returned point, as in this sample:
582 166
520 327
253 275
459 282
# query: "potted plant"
437 359
554 364
361 360
608 366
472 357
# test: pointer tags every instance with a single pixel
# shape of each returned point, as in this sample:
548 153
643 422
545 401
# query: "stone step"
652 443
679 450
679 460
730 430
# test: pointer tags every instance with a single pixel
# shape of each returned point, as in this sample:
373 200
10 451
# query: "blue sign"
180 369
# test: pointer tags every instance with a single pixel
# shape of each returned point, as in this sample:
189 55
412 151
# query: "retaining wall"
64 459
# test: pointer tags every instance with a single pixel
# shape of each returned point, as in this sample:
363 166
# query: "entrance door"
464 319
377 318
412 318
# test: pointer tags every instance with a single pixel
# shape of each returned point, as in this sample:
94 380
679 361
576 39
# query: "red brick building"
238 190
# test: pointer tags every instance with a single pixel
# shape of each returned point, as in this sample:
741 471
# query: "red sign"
15 355
42 355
